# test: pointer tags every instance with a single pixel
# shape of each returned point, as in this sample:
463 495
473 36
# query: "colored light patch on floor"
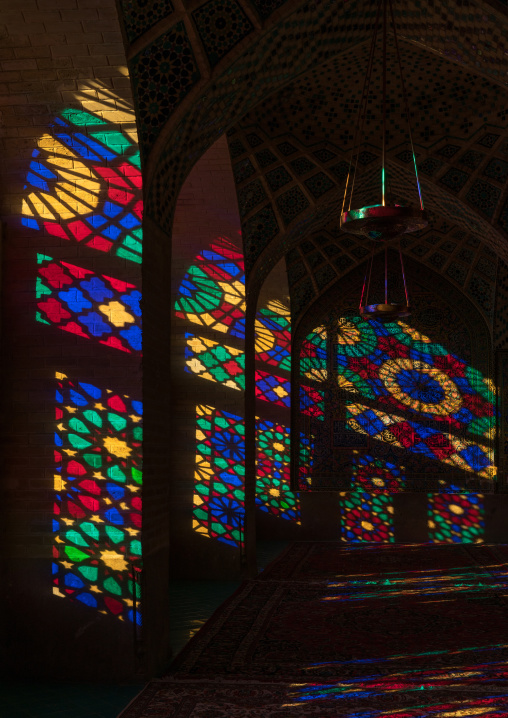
212 292
97 508
366 517
456 518
84 185
273 495
91 306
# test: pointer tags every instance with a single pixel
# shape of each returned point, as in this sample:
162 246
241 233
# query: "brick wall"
55 55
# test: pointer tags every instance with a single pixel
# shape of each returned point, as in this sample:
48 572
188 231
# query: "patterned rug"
358 631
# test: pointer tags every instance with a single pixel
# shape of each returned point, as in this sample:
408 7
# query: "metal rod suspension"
406 106
384 106
386 274
363 104
370 275
403 274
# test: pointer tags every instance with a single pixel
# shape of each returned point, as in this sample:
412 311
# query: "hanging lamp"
386 221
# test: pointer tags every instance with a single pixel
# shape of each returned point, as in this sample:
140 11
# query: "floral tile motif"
221 25
291 204
454 179
162 75
250 196
140 15
484 197
277 178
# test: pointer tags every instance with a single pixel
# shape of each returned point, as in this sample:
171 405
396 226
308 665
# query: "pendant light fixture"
384 222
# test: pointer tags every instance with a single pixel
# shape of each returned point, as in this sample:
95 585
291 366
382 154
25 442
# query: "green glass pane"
137 433
137 475
43 258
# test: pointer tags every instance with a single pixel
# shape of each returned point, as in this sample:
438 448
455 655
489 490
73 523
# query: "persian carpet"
361 631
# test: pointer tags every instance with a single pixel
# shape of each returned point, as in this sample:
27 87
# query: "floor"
192 603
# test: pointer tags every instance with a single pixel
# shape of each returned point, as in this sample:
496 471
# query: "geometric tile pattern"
140 15
221 25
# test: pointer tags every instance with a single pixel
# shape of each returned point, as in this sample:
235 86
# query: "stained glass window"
273 335
89 305
456 518
97 511
84 185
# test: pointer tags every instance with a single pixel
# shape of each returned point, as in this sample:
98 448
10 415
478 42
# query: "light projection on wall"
272 461
89 305
366 517
456 518
97 511
212 294
84 185
219 479
220 474
394 394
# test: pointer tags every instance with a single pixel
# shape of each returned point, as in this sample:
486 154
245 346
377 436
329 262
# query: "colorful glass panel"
97 512
366 517
89 305
273 478
84 185
456 518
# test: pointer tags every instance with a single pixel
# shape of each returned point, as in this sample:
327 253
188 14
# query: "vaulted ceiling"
291 157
